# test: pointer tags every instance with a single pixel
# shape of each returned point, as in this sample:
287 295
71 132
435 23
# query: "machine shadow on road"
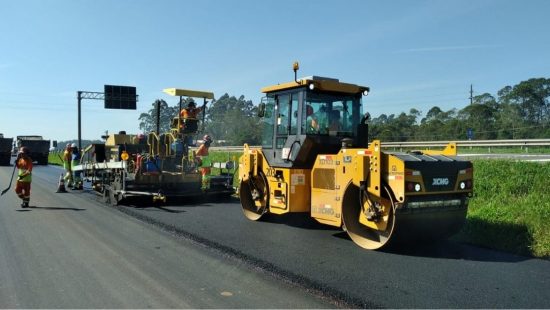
175 204
467 244
298 220
55 208
448 249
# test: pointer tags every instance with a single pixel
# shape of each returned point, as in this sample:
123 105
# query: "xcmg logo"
440 181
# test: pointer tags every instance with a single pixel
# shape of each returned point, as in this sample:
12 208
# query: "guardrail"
523 143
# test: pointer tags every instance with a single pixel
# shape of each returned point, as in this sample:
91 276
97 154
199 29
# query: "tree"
481 116
233 120
532 96
148 121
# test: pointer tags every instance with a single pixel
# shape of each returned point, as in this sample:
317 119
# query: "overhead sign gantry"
115 97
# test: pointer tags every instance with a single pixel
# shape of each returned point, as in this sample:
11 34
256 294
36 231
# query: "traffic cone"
61 185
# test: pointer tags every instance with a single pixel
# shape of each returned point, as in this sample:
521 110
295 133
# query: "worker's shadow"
51 208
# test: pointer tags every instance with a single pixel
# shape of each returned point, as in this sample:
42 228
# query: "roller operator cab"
315 157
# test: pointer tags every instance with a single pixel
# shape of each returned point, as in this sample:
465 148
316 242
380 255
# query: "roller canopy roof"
188 93
320 83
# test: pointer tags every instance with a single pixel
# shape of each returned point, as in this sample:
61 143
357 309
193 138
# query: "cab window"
267 122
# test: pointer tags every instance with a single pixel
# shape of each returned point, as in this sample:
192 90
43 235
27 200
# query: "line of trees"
521 111
230 119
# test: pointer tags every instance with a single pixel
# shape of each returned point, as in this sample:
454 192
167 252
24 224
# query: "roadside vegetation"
54 158
510 209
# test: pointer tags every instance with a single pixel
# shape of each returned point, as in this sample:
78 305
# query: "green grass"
54 158
510 209
220 156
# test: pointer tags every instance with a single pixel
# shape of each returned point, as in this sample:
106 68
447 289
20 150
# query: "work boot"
24 204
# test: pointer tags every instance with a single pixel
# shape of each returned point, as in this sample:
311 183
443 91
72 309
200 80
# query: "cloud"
444 48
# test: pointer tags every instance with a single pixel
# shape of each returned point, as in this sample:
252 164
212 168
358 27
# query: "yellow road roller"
316 157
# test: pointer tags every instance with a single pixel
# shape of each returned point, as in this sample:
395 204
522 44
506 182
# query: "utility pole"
471 94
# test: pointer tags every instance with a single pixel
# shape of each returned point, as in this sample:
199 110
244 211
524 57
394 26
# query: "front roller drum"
367 237
399 226
254 195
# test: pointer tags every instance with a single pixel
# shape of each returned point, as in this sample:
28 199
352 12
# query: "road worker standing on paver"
204 161
24 176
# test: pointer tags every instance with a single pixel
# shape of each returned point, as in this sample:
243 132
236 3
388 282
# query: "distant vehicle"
5 150
38 147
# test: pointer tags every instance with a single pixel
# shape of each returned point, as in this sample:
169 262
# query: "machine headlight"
311 86
417 187
462 185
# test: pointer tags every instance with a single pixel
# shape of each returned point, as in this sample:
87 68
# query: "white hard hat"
73 145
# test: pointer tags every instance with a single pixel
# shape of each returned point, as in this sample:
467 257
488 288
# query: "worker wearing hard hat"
24 176
191 111
67 162
190 121
204 161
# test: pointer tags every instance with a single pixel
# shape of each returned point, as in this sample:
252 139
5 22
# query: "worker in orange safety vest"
204 161
24 176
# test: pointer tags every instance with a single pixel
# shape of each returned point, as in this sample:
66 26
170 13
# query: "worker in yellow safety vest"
67 158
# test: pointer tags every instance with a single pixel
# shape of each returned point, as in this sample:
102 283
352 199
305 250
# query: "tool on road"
61 185
316 157
11 178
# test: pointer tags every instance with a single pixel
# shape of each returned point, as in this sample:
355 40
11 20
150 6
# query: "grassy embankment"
510 210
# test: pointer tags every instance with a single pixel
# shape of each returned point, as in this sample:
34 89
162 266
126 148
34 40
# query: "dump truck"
6 145
155 165
316 158
39 148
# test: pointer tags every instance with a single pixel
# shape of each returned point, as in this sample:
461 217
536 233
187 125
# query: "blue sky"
413 54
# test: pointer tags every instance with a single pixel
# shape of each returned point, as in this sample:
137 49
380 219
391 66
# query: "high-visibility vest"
67 160
24 165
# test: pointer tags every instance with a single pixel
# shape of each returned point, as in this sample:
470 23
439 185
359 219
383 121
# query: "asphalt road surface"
72 251
68 251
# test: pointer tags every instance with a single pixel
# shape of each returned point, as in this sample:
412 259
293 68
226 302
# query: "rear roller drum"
254 195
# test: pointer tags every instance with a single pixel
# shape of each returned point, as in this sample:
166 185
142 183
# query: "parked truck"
39 148
6 145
